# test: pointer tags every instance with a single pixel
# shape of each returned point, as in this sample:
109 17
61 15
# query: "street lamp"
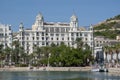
48 59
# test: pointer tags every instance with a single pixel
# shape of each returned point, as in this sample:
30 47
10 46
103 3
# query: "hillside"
110 28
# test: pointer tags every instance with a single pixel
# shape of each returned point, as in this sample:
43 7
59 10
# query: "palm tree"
117 49
2 55
79 43
31 58
15 56
43 54
38 52
111 51
106 52
22 55
7 52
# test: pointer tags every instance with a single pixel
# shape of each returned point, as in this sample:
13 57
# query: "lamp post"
48 59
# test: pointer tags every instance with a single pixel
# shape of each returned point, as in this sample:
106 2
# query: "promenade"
111 70
46 69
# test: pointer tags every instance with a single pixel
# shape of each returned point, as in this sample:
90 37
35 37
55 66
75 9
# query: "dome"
39 17
21 25
74 18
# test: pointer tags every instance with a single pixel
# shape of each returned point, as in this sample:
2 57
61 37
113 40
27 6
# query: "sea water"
57 75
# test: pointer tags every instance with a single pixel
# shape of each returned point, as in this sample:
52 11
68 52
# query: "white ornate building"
5 35
45 33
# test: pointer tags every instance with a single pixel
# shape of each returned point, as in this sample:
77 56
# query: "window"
5 34
42 33
57 38
37 33
72 34
22 34
47 29
68 38
42 38
37 38
62 34
37 43
10 33
76 34
91 38
85 34
27 38
57 44
57 29
27 47
62 38
52 29
72 39
46 34
47 43
68 44
22 43
1 34
43 43
57 34
46 38
1 30
80 34
72 43
62 30
51 34
22 38
33 34
67 29
33 38
51 38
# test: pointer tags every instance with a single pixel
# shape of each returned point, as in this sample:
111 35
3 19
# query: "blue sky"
88 11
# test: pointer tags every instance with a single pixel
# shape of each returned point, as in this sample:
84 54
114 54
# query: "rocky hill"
110 28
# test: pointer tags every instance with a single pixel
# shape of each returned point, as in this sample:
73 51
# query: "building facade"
45 33
101 42
5 35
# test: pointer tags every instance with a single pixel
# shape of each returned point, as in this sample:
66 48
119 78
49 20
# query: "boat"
99 68
103 68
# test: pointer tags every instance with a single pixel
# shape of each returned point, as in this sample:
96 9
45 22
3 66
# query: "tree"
106 50
79 43
117 50
22 56
111 53
8 53
53 45
15 56
2 55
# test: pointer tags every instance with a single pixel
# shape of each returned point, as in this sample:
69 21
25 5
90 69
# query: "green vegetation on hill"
105 26
107 33
109 28
114 18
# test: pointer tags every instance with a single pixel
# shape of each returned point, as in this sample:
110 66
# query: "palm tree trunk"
117 57
106 56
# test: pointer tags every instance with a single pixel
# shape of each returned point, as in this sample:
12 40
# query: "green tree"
2 55
117 50
15 56
79 43
8 53
106 50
